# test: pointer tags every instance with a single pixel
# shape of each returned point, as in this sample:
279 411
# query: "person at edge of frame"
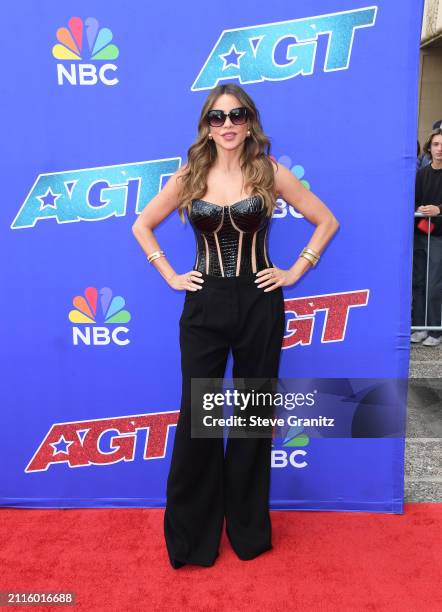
428 200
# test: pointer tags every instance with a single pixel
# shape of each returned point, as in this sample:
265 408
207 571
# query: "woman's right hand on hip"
191 281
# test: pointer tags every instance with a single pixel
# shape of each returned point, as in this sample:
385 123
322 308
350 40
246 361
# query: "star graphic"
62 443
232 57
49 198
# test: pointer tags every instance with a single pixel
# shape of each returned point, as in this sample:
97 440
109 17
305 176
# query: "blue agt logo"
249 53
93 194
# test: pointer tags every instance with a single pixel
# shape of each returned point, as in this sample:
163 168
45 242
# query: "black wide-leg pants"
204 484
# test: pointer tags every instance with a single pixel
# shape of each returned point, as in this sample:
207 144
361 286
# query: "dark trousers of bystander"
430 248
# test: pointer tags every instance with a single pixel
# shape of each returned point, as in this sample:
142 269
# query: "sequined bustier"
231 240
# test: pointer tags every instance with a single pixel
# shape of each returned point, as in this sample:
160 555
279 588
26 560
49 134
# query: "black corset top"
231 240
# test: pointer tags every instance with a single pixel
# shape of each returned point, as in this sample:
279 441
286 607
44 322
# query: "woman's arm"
160 207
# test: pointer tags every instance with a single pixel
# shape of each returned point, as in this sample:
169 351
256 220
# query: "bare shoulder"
173 185
280 174
272 158
180 172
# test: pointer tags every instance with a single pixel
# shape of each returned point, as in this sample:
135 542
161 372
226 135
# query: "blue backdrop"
99 106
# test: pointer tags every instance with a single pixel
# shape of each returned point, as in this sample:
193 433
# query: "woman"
234 300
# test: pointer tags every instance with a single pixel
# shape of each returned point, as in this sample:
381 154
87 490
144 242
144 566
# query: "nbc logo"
292 437
299 172
85 40
111 312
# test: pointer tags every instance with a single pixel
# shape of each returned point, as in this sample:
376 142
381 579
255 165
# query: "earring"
210 136
248 132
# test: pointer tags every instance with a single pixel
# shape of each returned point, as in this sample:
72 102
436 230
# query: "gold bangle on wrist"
310 255
311 258
152 259
155 255
312 252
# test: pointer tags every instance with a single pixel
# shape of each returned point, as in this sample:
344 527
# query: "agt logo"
85 40
283 50
292 437
104 441
94 194
112 312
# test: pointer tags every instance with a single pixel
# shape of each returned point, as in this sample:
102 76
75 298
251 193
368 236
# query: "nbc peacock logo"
80 41
99 317
298 171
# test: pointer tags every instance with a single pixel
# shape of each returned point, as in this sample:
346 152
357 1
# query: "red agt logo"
78 443
336 306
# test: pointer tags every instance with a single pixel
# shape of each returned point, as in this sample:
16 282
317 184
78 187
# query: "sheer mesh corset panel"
231 240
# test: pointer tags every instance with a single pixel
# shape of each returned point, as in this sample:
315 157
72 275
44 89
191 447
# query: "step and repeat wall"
100 105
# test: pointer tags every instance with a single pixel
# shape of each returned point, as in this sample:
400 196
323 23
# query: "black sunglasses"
217 118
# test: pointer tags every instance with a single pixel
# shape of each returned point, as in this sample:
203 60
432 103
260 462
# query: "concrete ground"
423 450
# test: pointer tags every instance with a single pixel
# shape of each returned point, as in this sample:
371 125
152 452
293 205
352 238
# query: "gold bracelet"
312 252
309 258
306 250
155 255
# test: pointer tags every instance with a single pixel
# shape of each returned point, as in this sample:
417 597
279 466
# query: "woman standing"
234 300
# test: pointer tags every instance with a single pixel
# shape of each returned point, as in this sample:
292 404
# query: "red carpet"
321 561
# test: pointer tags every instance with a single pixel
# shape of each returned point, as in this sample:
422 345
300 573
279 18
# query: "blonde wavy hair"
255 161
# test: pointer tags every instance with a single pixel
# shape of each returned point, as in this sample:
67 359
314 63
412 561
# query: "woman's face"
228 136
